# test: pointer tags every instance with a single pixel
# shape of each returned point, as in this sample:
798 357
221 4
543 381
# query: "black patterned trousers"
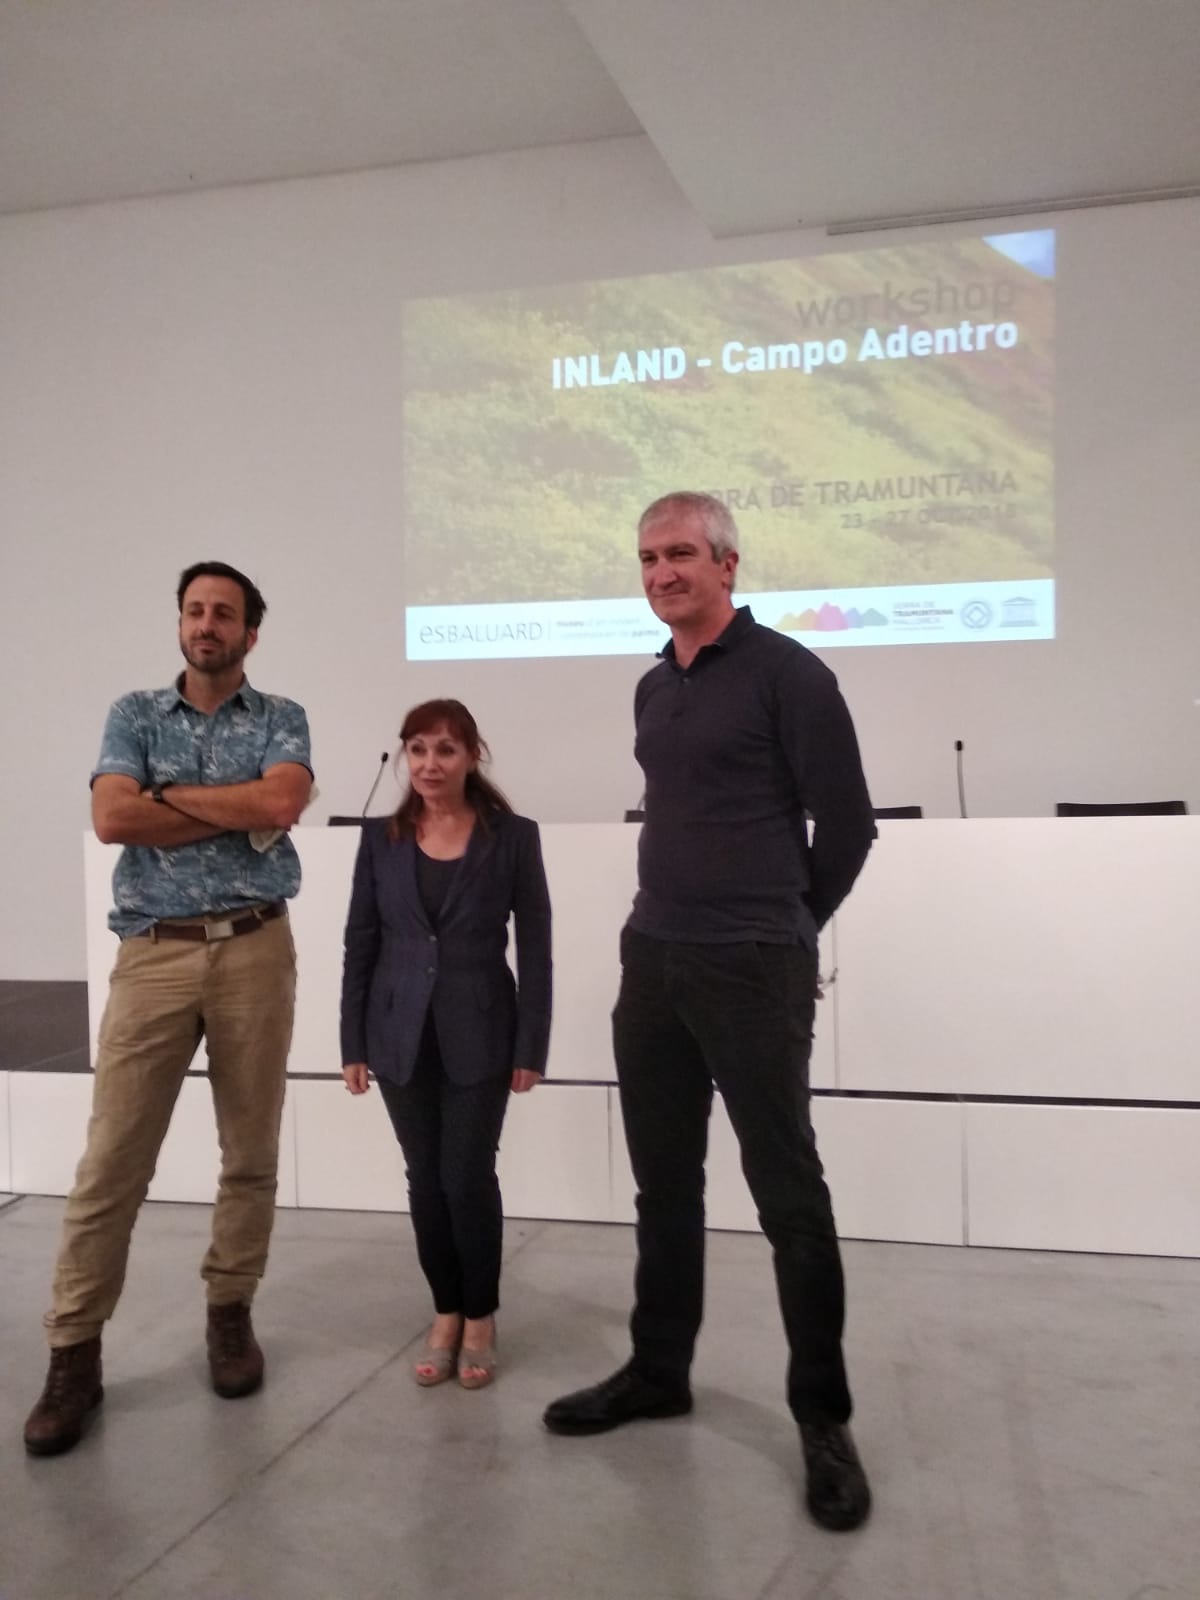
449 1134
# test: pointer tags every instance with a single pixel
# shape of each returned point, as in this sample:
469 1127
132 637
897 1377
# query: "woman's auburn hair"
482 794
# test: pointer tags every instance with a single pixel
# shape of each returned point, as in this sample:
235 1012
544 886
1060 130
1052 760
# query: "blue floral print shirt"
156 736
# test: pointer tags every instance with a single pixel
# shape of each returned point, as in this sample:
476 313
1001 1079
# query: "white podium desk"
1008 1054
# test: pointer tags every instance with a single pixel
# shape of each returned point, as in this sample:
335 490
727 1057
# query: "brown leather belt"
222 928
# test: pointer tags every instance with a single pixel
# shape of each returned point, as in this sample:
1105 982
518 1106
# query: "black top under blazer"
397 965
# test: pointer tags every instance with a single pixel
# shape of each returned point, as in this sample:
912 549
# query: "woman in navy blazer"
431 1010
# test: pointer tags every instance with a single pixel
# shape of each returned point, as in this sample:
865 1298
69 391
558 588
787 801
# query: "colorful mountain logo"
829 619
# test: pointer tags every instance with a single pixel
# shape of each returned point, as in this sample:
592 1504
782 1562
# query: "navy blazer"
397 966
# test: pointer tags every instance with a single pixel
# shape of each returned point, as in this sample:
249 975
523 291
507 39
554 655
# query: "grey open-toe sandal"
442 1363
477 1368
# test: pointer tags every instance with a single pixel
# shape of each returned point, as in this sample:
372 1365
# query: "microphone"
356 822
371 791
962 798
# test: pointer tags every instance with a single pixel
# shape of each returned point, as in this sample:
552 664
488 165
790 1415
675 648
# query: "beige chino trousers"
165 996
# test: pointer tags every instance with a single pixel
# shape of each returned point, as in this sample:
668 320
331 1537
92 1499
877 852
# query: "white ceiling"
769 113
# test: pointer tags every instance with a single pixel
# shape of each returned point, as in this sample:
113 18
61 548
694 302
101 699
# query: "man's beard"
217 660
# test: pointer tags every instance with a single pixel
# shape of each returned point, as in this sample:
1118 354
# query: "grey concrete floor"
1030 1423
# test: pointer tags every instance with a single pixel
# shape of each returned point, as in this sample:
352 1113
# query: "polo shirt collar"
737 628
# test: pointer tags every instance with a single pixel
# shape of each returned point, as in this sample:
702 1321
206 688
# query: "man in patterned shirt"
200 782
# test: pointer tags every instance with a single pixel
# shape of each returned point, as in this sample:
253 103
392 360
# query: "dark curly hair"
256 606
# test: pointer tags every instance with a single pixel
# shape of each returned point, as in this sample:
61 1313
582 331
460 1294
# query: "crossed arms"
122 813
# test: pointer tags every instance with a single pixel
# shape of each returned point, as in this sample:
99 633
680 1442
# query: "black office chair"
894 813
1128 808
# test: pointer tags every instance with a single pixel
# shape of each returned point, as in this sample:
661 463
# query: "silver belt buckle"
218 930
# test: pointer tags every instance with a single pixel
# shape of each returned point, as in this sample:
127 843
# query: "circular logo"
976 614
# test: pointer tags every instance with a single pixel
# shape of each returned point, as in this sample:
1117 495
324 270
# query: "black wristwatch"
156 792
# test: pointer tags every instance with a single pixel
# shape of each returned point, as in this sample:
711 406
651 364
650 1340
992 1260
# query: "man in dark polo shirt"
740 733
200 782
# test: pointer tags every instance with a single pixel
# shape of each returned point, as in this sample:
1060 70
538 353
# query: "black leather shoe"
839 1497
624 1397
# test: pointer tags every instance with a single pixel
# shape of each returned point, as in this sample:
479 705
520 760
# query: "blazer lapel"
479 850
406 879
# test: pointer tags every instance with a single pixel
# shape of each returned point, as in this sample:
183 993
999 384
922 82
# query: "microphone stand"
357 822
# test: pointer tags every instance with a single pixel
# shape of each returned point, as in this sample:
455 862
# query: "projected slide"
879 422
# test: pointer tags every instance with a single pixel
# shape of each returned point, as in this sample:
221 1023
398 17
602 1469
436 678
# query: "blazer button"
431 971
433 938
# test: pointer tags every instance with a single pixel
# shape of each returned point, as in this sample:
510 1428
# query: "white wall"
218 375
952 992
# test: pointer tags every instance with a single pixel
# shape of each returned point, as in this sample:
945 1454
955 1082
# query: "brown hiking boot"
234 1357
73 1389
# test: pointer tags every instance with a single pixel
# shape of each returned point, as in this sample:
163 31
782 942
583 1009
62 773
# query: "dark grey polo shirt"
735 750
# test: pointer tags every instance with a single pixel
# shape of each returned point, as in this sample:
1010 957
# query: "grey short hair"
719 527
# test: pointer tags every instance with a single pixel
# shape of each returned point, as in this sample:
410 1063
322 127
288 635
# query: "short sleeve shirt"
156 736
